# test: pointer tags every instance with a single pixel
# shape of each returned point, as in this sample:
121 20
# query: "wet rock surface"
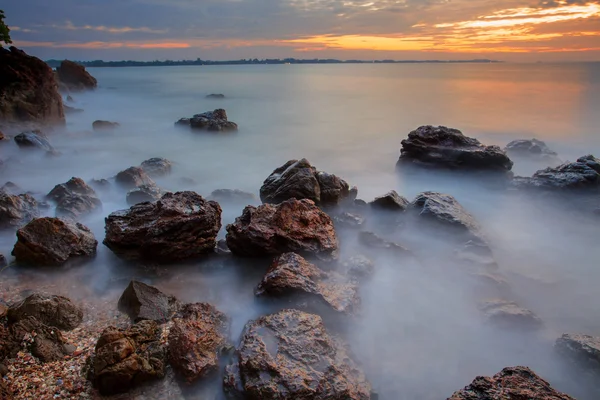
101 125
196 339
157 166
17 210
300 180
53 241
390 201
74 77
144 302
290 355
51 310
449 148
179 226
215 121
44 342
143 194
507 314
292 226
510 383
74 199
132 178
581 350
530 148
291 276
33 140
582 174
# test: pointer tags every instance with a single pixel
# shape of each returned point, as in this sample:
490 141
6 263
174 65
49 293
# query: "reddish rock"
74 199
512 383
17 210
44 342
74 77
292 226
133 177
56 311
196 339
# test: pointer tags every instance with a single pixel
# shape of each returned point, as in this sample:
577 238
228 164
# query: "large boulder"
179 226
17 210
29 91
290 355
196 340
300 180
126 358
582 174
506 314
215 121
449 148
157 166
294 225
42 341
74 77
144 302
530 148
582 350
74 199
290 275
510 383
133 177
56 311
53 241
33 140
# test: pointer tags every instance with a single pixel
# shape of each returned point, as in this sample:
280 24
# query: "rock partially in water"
215 96
196 339
144 193
300 180
358 267
581 350
17 210
73 186
100 184
125 359
33 140
157 166
51 310
74 199
510 383
3 263
507 314
530 148
477 254
100 125
390 201
449 148
179 226
74 77
11 188
133 177
71 110
235 196
583 174
44 342
292 226
291 276
373 241
348 220
53 241
144 302
290 355
215 121
222 248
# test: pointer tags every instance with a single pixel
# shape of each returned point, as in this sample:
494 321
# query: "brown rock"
143 194
44 342
74 199
179 226
290 355
17 210
53 241
291 275
509 315
54 311
157 166
143 302
511 383
133 177
196 340
215 121
74 77
294 225
30 93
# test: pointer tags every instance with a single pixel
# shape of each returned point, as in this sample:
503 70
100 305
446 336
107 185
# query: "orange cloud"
109 29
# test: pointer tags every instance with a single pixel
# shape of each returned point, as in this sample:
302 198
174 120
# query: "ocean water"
419 335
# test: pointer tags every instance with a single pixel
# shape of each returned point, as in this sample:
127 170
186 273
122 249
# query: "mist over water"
419 335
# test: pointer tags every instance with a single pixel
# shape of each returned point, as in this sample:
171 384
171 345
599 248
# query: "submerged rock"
215 96
143 194
232 196
582 350
449 148
71 110
17 210
128 358
179 226
290 355
375 242
100 125
291 275
358 267
157 166
211 121
300 180
292 226
74 77
144 302
509 315
532 148
583 174
390 201
511 383
100 184
348 220
56 311
74 199
133 177
196 340
33 139
53 241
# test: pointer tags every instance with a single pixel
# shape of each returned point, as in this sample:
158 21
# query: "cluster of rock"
582 174
214 121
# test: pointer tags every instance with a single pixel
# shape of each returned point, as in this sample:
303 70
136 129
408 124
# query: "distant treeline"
101 63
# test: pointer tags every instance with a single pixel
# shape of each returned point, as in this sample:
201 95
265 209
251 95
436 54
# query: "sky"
507 30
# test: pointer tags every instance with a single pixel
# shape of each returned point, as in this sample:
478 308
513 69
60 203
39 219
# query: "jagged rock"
294 225
53 241
143 194
29 91
290 355
215 96
73 186
300 180
125 359
196 340
133 177
178 226
449 148
232 196
157 166
56 311
291 275
582 350
100 125
583 174
74 77
373 241
222 248
509 315
530 148
211 121
74 199
358 267
348 220
44 342
34 139
390 201
16 210
510 383
143 302
11 188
